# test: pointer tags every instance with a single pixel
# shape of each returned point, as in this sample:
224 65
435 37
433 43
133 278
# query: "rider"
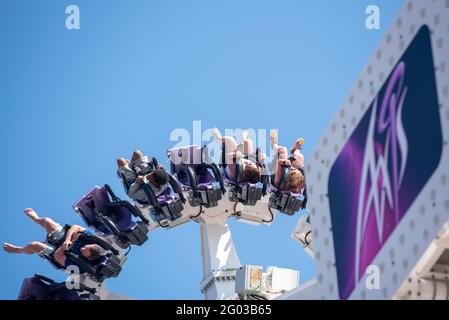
251 170
55 231
139 171
295 182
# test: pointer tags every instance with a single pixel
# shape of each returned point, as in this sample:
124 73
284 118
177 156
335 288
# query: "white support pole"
220 261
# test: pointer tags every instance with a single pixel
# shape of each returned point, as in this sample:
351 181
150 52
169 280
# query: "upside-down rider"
296 179
251 171
55 231
138 171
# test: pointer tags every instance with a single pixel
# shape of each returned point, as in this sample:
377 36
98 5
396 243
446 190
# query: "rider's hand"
140 180
66 245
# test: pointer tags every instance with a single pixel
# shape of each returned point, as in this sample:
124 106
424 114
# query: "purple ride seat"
273 189
285 201
166 197
106 266
191 156
36 289
197 174
97 263
98 198
231 181
246 192
204 177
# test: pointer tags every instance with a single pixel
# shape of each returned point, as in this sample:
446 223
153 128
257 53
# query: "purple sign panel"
386 162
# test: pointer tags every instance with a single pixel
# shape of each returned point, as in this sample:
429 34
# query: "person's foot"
11 249
217 135
122 162
137 155
31 213
273 139
205 154
244 134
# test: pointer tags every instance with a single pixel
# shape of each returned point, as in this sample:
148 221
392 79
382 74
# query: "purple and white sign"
385 164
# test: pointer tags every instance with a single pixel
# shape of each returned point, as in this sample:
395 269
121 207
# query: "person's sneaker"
298 145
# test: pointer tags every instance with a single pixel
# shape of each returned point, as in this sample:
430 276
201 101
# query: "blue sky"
71 102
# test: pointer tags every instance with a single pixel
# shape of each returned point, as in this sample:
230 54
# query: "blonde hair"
295 181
